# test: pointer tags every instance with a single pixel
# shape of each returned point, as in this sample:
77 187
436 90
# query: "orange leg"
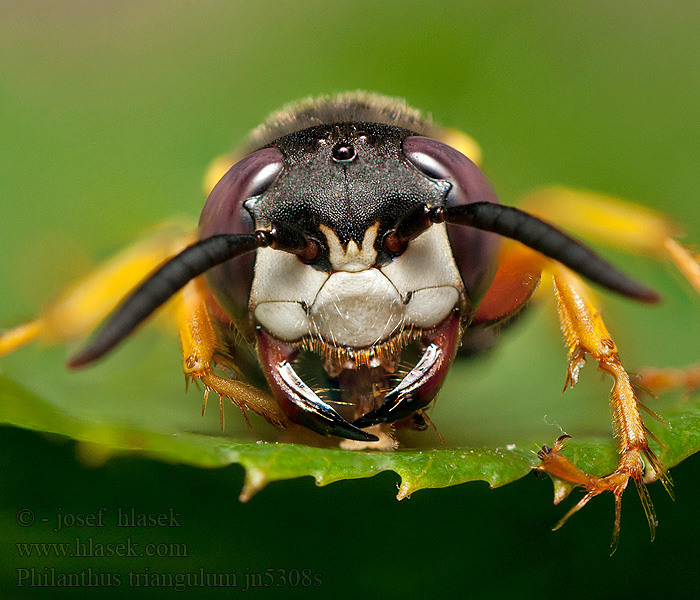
81 308
634 228
199 340
586 334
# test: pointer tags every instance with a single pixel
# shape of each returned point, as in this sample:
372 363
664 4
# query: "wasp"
352 237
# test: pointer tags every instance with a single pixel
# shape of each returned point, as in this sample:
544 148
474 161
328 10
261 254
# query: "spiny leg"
198 340
633 228
586 334
84 305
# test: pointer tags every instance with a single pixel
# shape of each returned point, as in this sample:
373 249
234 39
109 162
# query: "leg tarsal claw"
623 225
567 476
586 334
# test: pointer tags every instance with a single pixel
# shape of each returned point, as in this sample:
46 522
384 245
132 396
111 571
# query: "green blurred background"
109 115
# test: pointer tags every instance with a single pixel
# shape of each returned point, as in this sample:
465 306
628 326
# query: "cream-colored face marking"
358 305
352 259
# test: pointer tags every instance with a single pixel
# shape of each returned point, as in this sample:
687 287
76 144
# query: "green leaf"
494 412
264 461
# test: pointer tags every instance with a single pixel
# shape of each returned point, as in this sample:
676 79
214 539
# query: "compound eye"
428 162
258 171
474 251
264 177
440 161
246 179
226 212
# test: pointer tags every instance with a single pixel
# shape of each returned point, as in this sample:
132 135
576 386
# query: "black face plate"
346 176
